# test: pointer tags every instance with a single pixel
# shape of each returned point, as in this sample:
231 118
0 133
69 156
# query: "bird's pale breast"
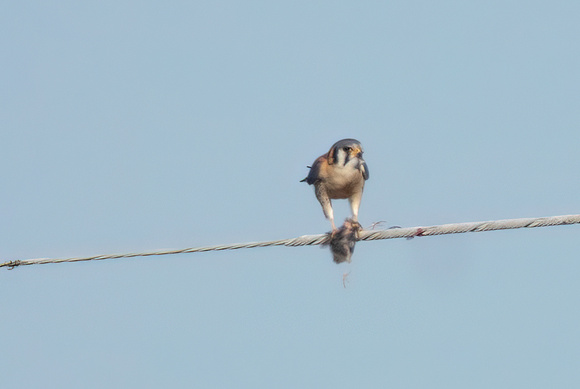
343 182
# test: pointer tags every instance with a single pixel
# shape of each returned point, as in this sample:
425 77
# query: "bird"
339 174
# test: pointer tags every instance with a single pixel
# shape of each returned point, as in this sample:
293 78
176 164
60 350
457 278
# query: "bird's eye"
347 149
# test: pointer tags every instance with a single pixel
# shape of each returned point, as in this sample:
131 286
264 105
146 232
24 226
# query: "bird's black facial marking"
347 157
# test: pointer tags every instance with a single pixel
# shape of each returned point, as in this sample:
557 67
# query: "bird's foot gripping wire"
343 240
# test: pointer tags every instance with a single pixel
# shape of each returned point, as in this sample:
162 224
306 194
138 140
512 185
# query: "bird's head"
345 151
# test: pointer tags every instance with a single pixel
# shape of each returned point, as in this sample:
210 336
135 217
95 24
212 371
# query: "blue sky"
131 126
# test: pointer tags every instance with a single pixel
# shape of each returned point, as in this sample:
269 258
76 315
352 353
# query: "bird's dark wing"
314 174
365 170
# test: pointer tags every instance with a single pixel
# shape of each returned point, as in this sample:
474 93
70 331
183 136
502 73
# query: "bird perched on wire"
339 174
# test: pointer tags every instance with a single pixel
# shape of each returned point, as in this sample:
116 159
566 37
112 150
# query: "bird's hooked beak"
357 152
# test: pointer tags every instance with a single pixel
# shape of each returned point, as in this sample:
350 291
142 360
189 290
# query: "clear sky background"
138 125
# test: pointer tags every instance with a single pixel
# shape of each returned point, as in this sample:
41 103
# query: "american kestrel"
339 174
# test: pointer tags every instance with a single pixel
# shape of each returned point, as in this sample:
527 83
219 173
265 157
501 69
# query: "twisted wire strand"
309 240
